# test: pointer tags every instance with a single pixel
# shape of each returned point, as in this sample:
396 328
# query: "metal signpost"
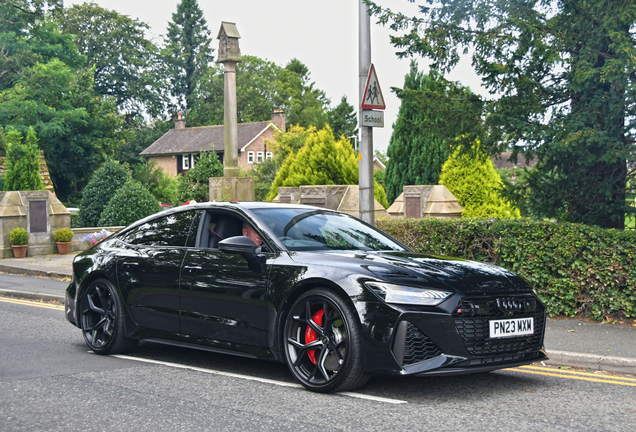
370 99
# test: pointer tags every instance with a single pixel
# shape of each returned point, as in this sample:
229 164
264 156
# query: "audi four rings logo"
509 305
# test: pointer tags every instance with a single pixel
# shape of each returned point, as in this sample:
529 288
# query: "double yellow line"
536 370
31 303
569 374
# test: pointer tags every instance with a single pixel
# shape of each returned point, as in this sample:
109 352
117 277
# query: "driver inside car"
249 232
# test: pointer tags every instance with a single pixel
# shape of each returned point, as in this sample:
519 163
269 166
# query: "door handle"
129 265
192 269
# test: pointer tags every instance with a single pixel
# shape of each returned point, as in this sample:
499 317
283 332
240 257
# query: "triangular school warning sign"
373 98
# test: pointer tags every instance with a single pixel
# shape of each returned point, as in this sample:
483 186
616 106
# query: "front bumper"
451 341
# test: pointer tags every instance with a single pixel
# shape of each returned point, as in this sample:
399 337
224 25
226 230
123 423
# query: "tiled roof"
203 138
503 162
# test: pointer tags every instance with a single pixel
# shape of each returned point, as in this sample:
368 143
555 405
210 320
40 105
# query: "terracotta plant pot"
19 251
63 248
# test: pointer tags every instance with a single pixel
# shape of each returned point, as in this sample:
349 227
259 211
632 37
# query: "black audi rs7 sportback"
336 299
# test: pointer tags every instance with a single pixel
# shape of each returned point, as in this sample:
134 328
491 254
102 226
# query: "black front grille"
418 347
475 330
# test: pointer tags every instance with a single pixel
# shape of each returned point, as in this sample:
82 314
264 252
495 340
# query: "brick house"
178 149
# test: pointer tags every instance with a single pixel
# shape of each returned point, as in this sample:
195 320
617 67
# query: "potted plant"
19 239
63 239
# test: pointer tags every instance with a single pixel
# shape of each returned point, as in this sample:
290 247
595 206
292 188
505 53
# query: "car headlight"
400 294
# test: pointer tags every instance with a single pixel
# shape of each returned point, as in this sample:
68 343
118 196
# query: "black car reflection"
333 297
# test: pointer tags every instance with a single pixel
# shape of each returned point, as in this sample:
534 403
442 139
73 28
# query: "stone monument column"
229 56
230 187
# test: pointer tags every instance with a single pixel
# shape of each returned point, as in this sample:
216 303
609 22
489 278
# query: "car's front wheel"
323 343
102 319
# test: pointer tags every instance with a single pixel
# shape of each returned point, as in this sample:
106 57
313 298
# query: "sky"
321 34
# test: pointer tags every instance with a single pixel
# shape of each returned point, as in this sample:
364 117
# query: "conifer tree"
473 179
23 161
187 53
433 113
322 160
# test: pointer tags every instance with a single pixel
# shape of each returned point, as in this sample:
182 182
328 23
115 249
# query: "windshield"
305 229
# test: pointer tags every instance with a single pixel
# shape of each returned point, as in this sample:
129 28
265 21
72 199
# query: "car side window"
171 230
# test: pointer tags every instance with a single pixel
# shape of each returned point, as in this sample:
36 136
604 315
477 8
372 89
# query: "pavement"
569 342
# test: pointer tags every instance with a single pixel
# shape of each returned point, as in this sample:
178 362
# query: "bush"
472 178
129 204
160 184
195 184
19 237
577 270
63 235
99 191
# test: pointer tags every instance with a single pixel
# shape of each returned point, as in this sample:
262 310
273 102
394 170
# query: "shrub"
63 235
577 270
99 191
129 204
195 184
160 184
18 237
472 178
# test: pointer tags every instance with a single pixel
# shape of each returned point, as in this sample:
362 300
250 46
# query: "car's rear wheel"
102 319
323 343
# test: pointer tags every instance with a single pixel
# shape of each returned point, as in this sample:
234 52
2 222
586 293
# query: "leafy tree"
23 162
124 60
187 53
343 119
261 87
322 160
433 113
158 183
563 73
195 184
99 191
473 179
137 135
130 203
27 36
76 128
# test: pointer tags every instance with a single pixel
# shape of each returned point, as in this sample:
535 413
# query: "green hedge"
577 270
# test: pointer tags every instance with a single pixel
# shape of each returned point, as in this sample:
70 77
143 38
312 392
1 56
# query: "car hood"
415 269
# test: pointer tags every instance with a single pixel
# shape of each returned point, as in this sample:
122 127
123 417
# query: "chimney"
179 123
278 118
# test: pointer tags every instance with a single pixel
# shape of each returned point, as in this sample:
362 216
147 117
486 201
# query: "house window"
250 157
186 162
259 157
269 155
192 161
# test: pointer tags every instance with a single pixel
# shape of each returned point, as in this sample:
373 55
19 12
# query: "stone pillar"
229 56
230 187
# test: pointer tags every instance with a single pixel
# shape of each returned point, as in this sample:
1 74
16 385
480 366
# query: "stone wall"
39 212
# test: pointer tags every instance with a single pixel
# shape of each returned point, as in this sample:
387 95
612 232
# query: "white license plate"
511 327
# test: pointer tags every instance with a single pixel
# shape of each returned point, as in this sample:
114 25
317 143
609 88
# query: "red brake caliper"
311 335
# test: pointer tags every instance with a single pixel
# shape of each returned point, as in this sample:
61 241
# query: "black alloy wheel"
103 321
323 343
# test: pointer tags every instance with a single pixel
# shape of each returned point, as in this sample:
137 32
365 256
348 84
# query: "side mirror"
239 245
246 247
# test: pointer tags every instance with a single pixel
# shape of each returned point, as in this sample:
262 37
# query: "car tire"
102 319
323 343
